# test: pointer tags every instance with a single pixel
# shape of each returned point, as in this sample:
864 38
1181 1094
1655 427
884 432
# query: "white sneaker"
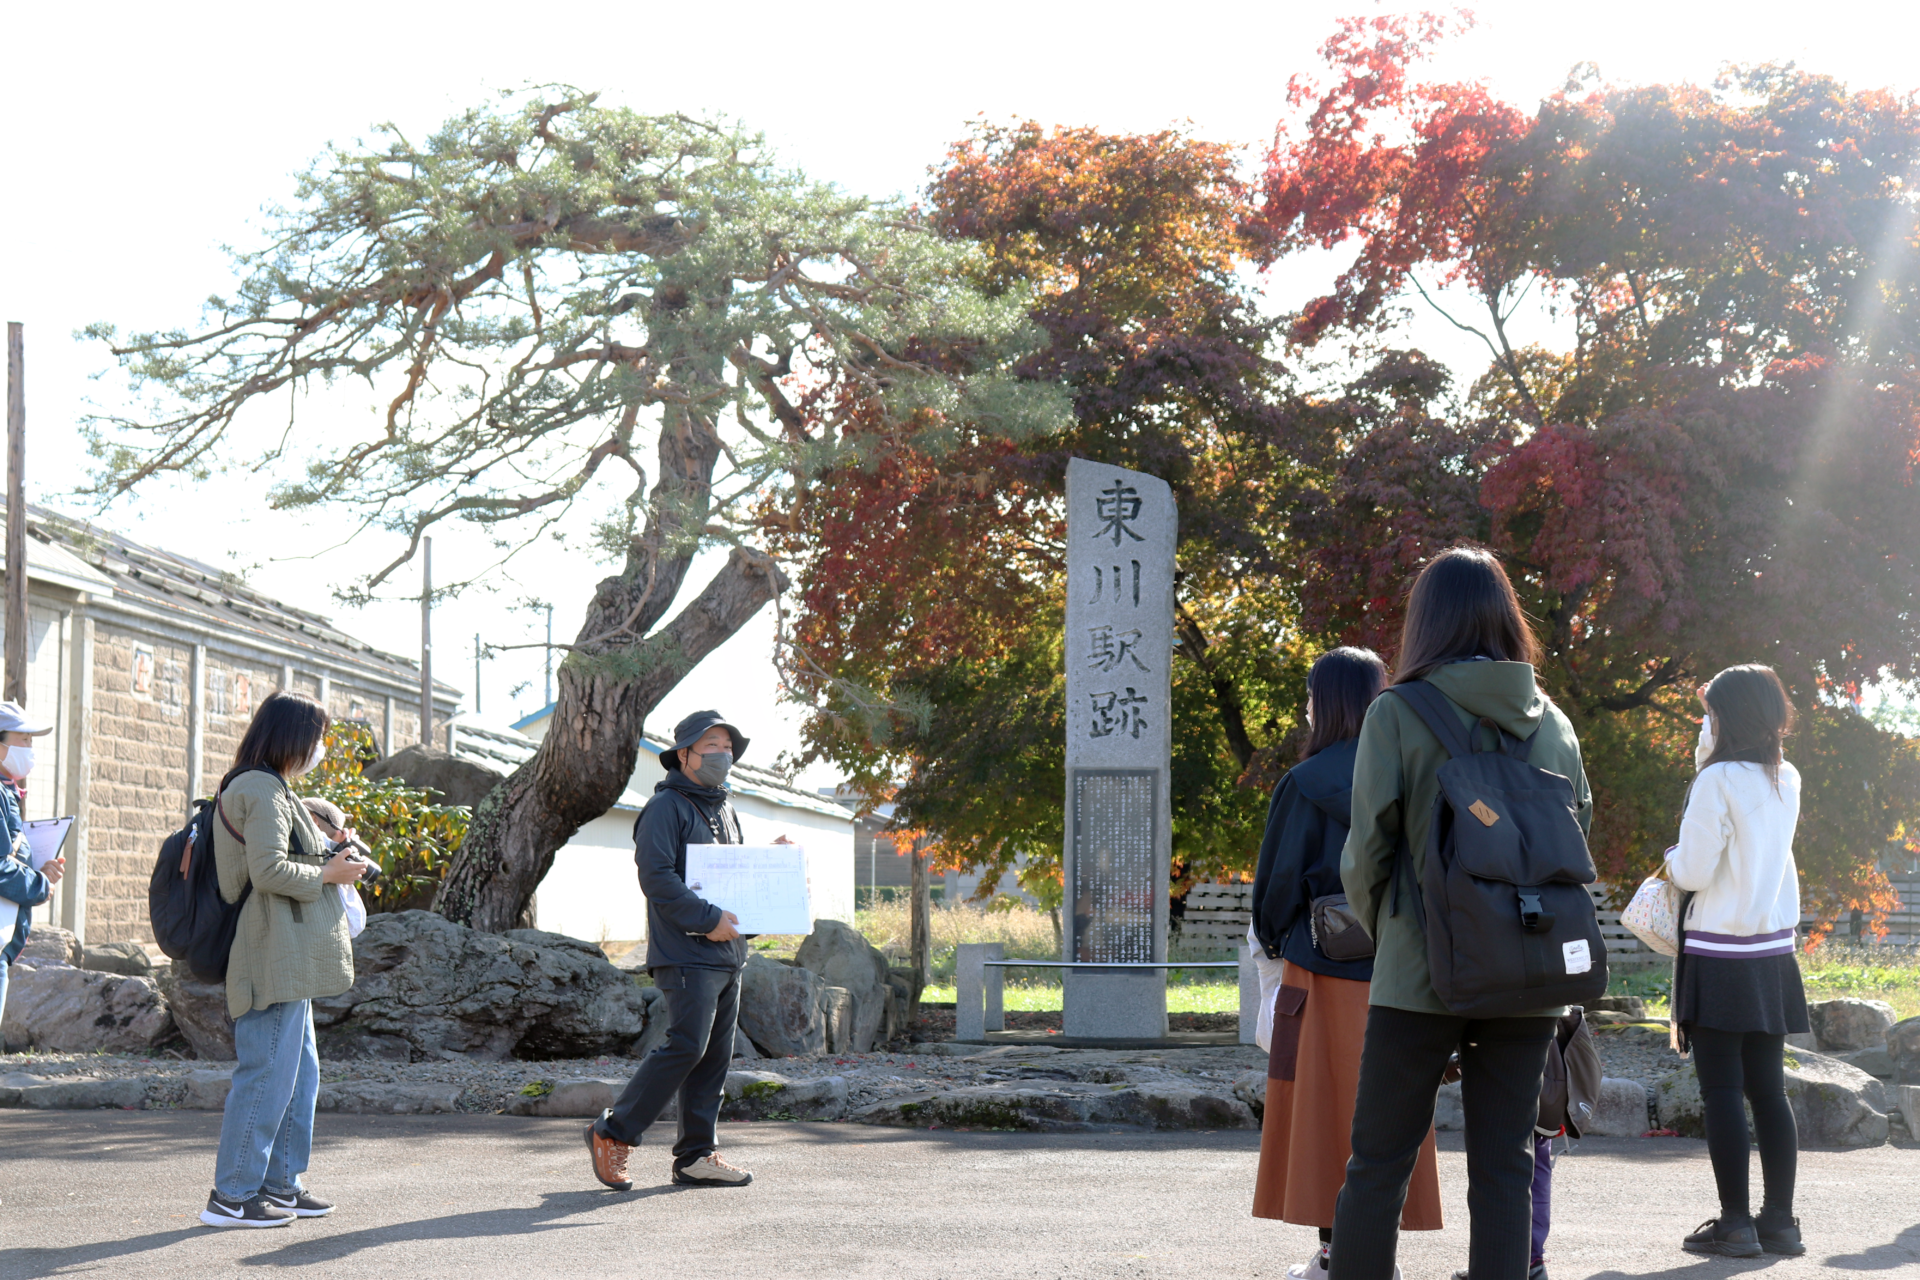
712 1171
1314 1268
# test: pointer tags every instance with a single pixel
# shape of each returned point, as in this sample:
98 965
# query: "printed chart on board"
764 885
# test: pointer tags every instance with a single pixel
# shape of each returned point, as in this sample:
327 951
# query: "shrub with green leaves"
412 838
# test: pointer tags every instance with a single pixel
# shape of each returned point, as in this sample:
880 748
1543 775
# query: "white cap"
14 719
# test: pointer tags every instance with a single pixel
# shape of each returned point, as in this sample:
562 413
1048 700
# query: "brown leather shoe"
609 1157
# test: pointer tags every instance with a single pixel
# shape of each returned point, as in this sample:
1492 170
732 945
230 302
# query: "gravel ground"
1635 1052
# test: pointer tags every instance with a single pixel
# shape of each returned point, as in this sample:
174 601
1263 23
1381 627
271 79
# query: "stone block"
358 1097
762 1095
199 1010
783 1008
129 959
12 1083
979 991
1877 1061
207 1090
576 1097
47 945
87 1095
1619 1112
1115 1004
1903 1045
1251 1088
1846 1023
1633 1006
839 1007
1834 1104
1906 1100
842 957
69 1010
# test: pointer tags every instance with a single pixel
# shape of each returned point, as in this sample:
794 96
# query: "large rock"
446 989
129 959
1251 1088
1903 1044
61 1009
1834 1104
1633 1007
1847 1023
765 1095
1619 1112
1063 1107
454 780
1875 1061
843 957
783 1008
199 1012
48 945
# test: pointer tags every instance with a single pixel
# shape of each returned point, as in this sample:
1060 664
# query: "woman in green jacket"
290 947
1466 636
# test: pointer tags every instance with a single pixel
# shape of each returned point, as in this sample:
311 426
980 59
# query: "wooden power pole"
426 642
16 617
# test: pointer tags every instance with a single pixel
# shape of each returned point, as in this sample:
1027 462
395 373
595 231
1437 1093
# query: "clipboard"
45 838
764 885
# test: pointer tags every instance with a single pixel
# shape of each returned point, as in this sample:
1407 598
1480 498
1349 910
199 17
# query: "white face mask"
319 754
19 762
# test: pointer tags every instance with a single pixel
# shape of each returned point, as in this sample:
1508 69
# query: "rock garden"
446 1019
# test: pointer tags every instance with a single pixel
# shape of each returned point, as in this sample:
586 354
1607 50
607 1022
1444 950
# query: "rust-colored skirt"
1313 1076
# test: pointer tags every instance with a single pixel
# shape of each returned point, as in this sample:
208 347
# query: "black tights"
1732 1063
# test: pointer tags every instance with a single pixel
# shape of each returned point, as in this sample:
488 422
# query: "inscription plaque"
1114 868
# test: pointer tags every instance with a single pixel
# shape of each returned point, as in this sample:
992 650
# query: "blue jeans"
267 1131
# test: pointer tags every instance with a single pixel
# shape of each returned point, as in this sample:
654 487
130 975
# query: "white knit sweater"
1736 856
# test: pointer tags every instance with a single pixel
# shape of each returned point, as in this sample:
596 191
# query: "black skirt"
1760 994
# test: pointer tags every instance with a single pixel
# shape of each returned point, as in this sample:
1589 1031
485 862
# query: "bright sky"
141 139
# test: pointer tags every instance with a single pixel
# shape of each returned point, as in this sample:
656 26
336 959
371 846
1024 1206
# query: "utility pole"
549 689
476 673
16 617
426 642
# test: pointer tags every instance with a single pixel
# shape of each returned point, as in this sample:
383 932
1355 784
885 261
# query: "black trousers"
1501 1061
691 1063
1750 1063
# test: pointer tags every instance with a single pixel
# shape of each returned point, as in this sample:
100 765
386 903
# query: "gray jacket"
682 812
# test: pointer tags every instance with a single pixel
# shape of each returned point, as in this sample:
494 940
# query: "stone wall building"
150 665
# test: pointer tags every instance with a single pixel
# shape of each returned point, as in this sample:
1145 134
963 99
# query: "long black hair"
1462 606
283 733
1751 717
1341 686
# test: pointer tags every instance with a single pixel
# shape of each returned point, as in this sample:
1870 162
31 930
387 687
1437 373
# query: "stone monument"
1121 528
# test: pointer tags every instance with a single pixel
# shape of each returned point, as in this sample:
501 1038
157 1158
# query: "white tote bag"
1269 971
1654 915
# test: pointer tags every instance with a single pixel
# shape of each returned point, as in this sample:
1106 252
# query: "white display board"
765 886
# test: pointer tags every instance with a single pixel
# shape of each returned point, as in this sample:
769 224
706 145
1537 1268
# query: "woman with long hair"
1736 989
289 948
1320 1013
1466 636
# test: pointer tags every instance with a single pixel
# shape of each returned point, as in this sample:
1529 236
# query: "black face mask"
714 768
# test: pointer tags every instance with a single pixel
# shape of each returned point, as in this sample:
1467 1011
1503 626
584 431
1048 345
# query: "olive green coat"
291 943
1394 785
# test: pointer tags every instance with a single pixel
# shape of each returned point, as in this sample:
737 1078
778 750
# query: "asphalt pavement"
109 1194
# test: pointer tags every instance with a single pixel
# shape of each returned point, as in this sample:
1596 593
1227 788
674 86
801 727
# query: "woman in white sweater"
1736 987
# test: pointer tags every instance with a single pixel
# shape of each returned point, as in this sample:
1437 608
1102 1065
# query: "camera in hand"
355 849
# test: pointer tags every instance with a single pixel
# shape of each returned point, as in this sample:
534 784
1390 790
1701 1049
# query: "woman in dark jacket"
1320 1015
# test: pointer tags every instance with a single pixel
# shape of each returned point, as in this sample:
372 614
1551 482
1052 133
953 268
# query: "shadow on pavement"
458 1226
1901 1251
32 1262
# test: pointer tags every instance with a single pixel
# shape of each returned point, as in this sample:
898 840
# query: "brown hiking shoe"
711 1171
609 1157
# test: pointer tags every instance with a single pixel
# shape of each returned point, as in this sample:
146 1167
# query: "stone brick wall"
138 791
235 690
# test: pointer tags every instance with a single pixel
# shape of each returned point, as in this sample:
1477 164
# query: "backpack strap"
1436 712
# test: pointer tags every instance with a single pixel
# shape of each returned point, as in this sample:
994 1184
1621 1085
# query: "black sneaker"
1781 1236
300 1204
222 1212
1728 1240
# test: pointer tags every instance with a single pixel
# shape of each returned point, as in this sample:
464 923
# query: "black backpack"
191 921
1510 926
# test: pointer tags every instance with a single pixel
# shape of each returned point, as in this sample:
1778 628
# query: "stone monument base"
1114 1004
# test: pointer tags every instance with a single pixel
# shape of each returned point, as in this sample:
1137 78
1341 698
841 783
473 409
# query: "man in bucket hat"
21 887
695 953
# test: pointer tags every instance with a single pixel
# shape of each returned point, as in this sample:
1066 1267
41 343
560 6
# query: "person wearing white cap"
21 887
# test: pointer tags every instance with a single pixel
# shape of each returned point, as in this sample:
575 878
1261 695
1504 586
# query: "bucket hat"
688 732
14 719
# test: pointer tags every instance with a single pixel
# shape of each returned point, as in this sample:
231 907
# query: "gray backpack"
1503 899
